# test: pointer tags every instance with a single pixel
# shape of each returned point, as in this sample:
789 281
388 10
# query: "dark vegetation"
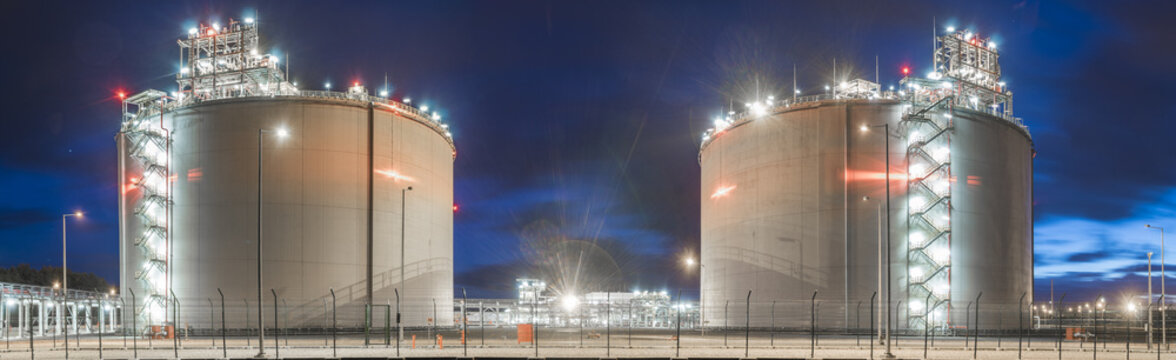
48 275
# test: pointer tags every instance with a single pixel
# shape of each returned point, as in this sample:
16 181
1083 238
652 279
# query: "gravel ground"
565 343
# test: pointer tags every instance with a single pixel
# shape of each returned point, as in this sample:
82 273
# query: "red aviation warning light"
906 70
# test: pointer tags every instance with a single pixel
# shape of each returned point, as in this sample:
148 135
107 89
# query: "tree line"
48 275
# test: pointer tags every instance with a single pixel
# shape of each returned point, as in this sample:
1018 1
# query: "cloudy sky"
582 118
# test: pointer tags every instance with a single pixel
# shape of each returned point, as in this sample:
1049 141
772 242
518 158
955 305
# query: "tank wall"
316 207
794 220
781 232
992 249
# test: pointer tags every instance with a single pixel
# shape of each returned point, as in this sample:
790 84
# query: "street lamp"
282 133
886 152
403 201
65 276
1163 291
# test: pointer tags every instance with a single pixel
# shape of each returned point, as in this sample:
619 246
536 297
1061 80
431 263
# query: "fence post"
334 326
813 326
435 333
464 325
897 311
286 329
1057 318
926 322
746 326
326 323
277 353
175 333
726 321
857 324
4 321
581 322
387 324
482 320
678 335
608 324
101 312
967 324
1164 316
976 339
211 323
535 326
224 338
872 306
1021 326
367 323
32 348
399 331
772 327
134 326
122 314
248 339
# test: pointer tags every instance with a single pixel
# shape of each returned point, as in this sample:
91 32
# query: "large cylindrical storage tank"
793 202
331 195
992 216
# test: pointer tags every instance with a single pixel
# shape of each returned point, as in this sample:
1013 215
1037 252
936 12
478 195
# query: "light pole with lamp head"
886 152
1163 291
282 133
65 279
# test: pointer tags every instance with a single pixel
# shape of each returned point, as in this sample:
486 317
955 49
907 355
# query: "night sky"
584 118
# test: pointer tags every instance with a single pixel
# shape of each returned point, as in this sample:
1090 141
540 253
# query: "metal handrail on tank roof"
152 108
783 104
747 116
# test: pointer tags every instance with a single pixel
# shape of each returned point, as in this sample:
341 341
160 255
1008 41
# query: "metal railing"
821 327
779 105
152 109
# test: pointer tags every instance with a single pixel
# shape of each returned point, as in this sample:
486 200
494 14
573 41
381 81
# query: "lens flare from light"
722 191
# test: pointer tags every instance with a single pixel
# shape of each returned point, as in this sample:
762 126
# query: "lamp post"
403 201
282 133
65 280
886 152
